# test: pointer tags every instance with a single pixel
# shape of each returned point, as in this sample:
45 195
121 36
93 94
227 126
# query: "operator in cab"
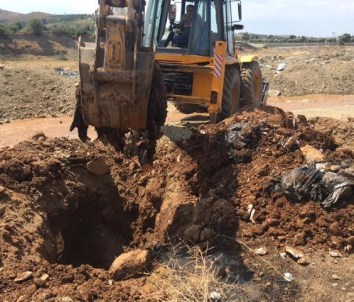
181 40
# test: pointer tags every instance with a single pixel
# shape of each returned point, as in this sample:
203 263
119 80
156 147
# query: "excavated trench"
95 228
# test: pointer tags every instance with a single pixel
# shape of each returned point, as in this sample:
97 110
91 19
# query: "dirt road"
337 107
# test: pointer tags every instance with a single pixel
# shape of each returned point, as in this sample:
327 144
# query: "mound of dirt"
28 46
311 70
35 91
59 218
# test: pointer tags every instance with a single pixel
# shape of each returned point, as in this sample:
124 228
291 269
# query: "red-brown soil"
59 219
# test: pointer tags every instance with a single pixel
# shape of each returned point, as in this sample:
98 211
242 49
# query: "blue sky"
299 17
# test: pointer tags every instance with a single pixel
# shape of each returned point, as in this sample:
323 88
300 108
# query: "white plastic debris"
281 67
288 277
214 296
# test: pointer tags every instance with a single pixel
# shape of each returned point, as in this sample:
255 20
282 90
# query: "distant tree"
36 26
292 37
245 36
19 26
346 38
3 31
270 38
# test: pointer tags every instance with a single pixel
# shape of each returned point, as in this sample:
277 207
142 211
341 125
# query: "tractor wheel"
231 93
157 107
251 85
156 117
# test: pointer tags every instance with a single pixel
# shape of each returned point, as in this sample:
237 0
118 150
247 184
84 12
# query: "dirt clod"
130 264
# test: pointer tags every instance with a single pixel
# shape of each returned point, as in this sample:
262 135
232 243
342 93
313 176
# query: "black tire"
156 117
231 93
157 107
251 85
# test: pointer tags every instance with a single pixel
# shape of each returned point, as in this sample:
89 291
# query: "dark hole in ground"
96 231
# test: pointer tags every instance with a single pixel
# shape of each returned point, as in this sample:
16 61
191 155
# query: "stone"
206 234
193 232
66 299
2 189
98 166
294 252
336 277
129 264
335 254
23 277
2 210
281 67
39 136
304 261
261 251
311 154
274 93
44 277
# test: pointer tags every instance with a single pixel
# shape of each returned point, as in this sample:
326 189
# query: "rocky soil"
30 92
34 88
308 70
69 209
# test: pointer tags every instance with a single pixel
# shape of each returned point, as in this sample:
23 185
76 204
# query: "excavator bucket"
115 75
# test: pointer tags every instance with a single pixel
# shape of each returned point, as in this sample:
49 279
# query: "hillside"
9 16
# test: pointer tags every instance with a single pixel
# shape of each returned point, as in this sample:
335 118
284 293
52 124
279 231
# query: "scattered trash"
214 296
251 211
281 67
295 253
301 183
290 121
261 251
335 254
307 183
291 144
66 72
242 135
288 277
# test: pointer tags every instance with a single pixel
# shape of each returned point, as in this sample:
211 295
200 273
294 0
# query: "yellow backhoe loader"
183 51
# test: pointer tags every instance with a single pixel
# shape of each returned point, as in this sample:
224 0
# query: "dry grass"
193 277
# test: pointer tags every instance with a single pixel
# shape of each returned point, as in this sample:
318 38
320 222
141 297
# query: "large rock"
130 264
98 166
312 155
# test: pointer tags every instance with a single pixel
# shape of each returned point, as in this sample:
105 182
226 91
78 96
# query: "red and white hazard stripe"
218 66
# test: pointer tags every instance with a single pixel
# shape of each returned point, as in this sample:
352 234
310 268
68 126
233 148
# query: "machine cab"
191 27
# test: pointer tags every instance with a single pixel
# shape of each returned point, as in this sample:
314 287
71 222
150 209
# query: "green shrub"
36 26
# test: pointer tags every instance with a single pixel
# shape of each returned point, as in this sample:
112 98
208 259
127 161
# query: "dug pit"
96 231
